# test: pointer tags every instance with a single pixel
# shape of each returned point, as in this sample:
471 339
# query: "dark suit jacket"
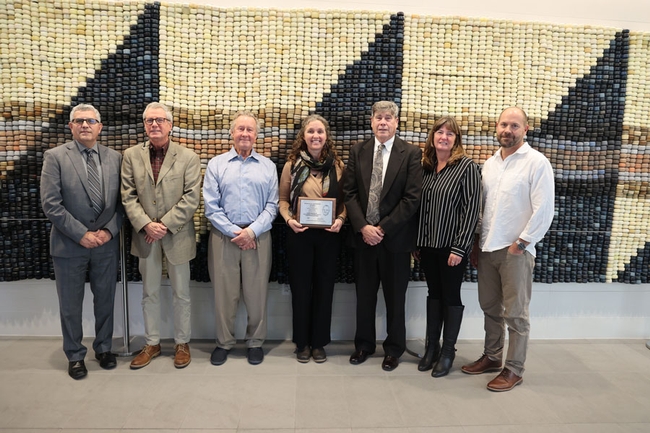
400 196
66 203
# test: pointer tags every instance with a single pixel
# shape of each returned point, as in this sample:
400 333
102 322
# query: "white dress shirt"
518 199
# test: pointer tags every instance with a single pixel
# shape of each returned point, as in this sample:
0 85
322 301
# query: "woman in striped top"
451 194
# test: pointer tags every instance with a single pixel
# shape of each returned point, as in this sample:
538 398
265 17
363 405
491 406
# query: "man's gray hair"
245 113
389 106
153 105
85 107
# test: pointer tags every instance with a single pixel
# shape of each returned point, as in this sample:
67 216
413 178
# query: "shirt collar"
82 148
154 149
522 150
232 154
388 144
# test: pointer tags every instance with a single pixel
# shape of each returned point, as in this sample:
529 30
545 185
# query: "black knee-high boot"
434 322
453 318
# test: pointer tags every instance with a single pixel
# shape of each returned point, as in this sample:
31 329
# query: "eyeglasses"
81 121
158 120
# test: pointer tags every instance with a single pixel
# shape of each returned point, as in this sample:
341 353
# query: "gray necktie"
95 186
372 213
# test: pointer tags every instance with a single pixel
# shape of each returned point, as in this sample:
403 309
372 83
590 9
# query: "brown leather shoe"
145 356
481 365
182 358
505 381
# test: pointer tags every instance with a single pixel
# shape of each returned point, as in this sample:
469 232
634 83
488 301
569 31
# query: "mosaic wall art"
586 90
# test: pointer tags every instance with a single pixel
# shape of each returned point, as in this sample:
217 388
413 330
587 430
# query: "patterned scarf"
300 172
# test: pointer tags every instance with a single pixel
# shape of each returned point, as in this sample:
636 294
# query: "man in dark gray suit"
80 195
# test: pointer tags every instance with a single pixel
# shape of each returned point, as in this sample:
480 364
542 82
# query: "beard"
508 141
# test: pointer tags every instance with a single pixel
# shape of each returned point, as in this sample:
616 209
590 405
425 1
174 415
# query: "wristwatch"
521 246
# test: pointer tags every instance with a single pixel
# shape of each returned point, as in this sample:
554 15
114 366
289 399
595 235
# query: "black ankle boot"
453 318
432 350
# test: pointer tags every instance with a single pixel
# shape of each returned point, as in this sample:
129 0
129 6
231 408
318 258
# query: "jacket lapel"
146 160
394 164
365 163
170 158
78 164
106 170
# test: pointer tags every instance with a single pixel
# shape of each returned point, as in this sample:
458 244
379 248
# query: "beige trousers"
504 289
234 273
179 276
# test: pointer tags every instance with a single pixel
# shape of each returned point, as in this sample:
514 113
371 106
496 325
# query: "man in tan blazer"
161 185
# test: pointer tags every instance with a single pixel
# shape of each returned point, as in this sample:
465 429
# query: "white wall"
628 14
558 311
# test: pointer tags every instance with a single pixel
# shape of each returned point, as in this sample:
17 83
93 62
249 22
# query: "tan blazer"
172 200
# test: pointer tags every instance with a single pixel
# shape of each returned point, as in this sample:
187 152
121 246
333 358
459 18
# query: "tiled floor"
570 386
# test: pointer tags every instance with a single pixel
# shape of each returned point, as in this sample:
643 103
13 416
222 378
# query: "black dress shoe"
390 363
219 356
359 357
77 370
106 360
319 355
303 355
255 355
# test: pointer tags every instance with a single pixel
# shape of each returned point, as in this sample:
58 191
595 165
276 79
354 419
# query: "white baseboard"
558 311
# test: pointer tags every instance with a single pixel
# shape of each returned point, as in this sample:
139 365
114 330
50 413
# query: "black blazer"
400 196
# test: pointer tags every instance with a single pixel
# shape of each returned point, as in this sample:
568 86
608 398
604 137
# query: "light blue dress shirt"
240 192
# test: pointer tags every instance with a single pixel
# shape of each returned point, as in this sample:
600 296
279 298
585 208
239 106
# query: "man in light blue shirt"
240 191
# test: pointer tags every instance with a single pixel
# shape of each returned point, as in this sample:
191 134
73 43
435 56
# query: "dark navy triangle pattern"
126 82
376 76
584 134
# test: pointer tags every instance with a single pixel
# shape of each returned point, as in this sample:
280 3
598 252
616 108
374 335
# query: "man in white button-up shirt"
518 208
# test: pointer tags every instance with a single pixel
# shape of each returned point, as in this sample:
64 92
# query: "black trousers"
312 274
375 265
443 281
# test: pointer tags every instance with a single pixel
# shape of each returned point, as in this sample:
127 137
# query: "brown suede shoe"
505 381
182 358
145 356
481 365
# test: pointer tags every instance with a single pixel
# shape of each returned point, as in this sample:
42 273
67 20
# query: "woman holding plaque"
311 178
451 195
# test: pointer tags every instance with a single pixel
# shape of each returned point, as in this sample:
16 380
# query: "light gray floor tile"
569 387
371 402
268 402
422 400
321 402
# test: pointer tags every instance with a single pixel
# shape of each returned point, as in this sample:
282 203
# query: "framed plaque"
316 212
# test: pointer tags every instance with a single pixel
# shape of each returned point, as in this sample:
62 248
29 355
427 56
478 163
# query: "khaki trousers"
504 289
233 273
179 276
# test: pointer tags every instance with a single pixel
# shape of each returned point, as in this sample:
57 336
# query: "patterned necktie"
94 185
372 213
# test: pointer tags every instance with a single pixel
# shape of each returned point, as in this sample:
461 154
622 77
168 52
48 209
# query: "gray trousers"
234 273
504 289
70 274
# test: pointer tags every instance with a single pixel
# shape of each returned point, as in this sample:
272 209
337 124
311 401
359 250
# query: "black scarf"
300 172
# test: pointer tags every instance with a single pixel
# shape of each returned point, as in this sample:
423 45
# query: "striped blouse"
450 206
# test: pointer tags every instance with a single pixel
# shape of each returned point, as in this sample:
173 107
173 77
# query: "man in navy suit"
382 187
80 195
